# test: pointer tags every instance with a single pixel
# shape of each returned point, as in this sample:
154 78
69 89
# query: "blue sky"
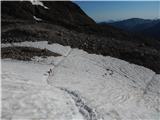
118 10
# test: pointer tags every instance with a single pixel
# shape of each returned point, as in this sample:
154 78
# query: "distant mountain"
137 25
129 24
143 26
108 21
153 30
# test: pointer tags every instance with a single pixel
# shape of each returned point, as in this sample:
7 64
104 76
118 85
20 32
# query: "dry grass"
25 53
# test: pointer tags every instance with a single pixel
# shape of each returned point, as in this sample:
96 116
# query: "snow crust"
81 86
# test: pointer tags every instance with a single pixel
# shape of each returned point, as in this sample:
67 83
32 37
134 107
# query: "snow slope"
81 86
114 88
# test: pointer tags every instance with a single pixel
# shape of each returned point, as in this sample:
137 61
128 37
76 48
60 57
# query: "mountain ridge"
138 25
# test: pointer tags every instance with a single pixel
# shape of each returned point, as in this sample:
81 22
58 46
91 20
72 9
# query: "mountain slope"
65 23
54 13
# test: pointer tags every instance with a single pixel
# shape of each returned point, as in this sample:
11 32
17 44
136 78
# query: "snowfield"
27 96
80 86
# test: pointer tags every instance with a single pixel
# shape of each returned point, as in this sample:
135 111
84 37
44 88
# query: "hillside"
51 12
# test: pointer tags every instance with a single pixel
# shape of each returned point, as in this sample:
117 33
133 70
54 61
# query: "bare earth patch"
25 53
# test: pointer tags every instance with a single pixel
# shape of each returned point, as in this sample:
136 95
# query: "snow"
37 2
19 70
81 86
114 88
37 19
26 94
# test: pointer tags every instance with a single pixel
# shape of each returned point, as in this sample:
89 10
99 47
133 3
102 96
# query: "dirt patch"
25 53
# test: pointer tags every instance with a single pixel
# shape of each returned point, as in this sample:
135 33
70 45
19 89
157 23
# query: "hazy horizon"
119 10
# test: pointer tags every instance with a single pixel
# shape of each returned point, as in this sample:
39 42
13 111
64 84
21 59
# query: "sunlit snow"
81 86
